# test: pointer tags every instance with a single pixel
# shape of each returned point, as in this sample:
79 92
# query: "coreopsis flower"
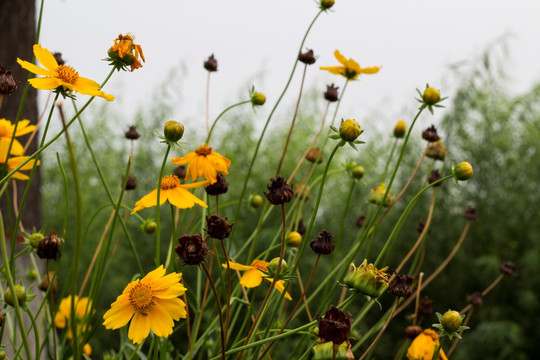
61 77
424 345
173 191
83 312
125 52
377 194
14 162
350 69
151 303
367 279
254 275
203 162
8 132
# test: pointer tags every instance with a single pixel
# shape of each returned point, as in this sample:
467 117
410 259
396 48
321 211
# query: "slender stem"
436 354
293 121
208 103
228 289
381 332
418 289
394 145
219 310
158 229
223 113
484 293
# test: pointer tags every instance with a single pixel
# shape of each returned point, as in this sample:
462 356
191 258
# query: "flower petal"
342 59
139 328
34 68
175 307
119 314
237 266
45 57
183 199
252 278
161 322
149 200
45 83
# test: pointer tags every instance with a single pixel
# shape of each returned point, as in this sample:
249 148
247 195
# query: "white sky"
415 41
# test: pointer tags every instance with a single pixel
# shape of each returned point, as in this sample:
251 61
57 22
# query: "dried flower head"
314 155
436 150
331 93
131 183
125 52
46 282
335 326
218 227
412 331
132 133
424 308
211 64
279 192
192 250
307 57
401 285
7 84
221 186
180 172
360 221
476 299
324 243
430 134
301 228
58 58
508 268
470 213
50 247
434 176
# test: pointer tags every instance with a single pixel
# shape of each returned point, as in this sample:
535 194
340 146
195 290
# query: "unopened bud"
273 264
463 171
349 130
294 239
451 321
35 239
255 201
20 293
173 131
326 4
400 129
431 96
358 172
149 226
258 99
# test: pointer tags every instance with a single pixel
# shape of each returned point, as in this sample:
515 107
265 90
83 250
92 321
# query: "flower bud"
50 247
367 280
3 355
87 349
258 99
255 201
132 133
349 130
192 250
149 226
2 319
436 150
173 131
335 326
211 64
273 264
218 227
307 57
431 96
221 186
35 239
31 274
326 4
451 321
20 293
331 93
358 172
7 84
279 191
314 155
400 129
323 244
463 171
294 239
508 268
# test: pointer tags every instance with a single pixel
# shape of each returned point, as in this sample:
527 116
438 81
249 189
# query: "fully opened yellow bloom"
60 75
424 346
83 311
151 303
204 162
350 69
172 190
7 130
254 275
13 162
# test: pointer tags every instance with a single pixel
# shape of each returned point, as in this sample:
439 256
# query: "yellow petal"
45 83
34 69
149 200
175 307
252 278
16 147
342 59
23 128
161 322
183 199
154 275
336 70
139 328
371 70
45 57
280 286
237 266
119 314
60 320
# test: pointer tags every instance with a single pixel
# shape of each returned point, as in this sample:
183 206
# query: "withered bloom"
476 299
307 57
7 84
279 191
218 227
360 221
314 155
400 286
301 228
424 308
132 133
131 183
221 186
335 326
50 247
331 93
58 58
470 213
435 175
46 281
508 268
413 331
211 64
180 172
324 243
192 250
430 134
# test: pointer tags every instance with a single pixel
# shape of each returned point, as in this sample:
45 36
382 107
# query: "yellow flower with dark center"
13 162
254 275
128 51
174 192
424 346
83 313
7 132
350 69
151 303
60 75
204 162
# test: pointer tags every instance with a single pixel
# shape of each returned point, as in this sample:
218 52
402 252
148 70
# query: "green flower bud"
451 321
149 226
20 292
255 201
326 4
294 239
358 172
349 130
3 355
463 171
368 280
31 274
35 239
173 131
258 99
325 351
273 264
431 96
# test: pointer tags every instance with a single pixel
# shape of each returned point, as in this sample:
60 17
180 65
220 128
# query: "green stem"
436 354
158 229
220 115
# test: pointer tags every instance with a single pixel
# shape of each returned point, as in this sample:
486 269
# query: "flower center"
142 297
259 264
67 74
203 150
169 182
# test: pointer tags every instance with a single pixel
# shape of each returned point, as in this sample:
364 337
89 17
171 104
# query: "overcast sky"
256 42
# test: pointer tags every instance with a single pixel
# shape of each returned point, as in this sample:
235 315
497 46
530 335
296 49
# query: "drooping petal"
336 70
45 57
371 70
237 266
280 286
90 87
252 278
139 328
183 199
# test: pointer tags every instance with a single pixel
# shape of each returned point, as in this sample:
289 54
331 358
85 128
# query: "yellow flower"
14 162
377 194
424 345
87 349
350 69
83 312
172 190
60 75
254 275
7 130
151 303
204 162
128 51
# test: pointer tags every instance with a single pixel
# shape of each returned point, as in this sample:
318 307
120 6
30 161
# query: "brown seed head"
192 250
331 93
221 186
279 191
508 268
323 243
218 227
301 228
180 172
46 281
360 221
430 134
132 133
401 285
7 84
131 183
470 213
434 176
314 155
58 58
211 64
50 247
476 299
335 326
307 57
424 308
413 331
